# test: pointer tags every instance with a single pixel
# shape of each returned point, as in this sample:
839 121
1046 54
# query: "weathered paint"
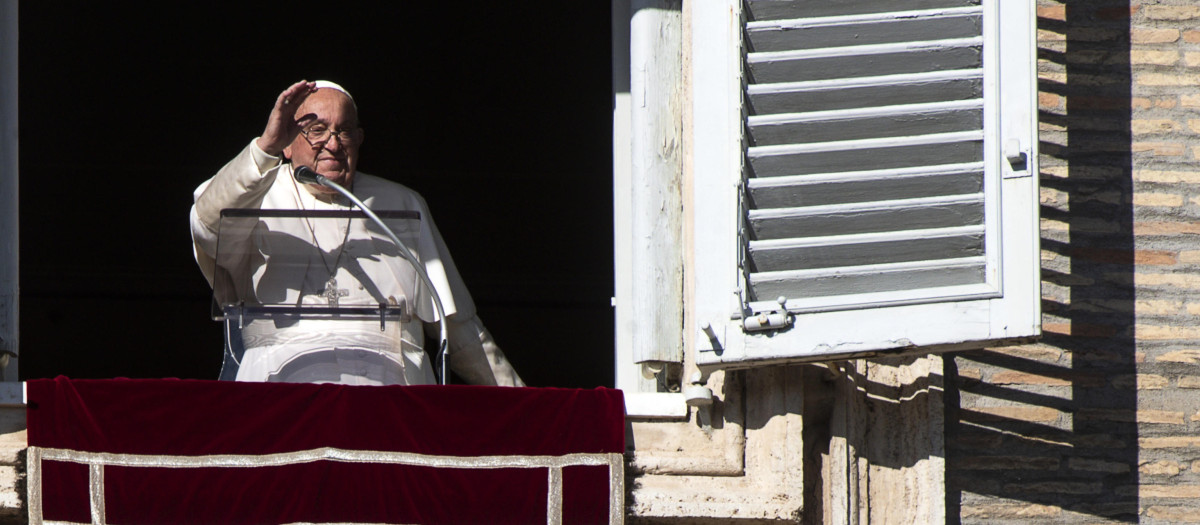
9 281
656 198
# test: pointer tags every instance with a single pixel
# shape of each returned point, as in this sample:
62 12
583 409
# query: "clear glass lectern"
319 296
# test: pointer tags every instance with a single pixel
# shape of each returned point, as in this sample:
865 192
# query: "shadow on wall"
1035 432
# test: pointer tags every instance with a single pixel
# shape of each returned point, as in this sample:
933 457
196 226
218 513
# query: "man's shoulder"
386 192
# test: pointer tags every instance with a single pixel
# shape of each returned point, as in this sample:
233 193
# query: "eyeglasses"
320 134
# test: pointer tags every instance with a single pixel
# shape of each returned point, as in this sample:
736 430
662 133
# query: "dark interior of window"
499 114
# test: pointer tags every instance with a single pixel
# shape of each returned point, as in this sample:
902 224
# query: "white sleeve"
476 357
241 183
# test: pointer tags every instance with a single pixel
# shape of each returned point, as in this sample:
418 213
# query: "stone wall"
1098 423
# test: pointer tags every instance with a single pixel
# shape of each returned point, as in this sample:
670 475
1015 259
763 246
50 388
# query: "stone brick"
1189 382
1140 381
1160 468
1153 126
1153 36
1174 514
1097 465
1164 332
1005 463
972 374
1146 332
1036 352
1169 491
1024 413
1052 12
1169 442
1105 56
1157 307
1098 173
1166 79
1189 100
1046 128
1012 377
1010 511
1052 196
1055 487
1141 103
1050 100
1079 329
1153 257
1100 34
1191 59
1153 57
1167 176
1159 416
1044 35
1053 225
1160 149
1196 466
1190 256
1060 172
1166 228
1098 441
1180 356
1098 225
1152 382
1171 12
1104 305
1131 416
1190 281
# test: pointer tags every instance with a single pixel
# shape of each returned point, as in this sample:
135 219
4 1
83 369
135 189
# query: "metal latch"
772 320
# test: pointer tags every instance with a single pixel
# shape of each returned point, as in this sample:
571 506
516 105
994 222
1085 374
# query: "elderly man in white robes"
315 125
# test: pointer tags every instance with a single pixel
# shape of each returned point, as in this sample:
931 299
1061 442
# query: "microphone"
305 175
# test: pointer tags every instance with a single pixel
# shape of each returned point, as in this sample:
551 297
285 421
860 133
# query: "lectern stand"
319 295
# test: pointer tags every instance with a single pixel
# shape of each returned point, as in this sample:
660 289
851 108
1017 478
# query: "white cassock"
354 264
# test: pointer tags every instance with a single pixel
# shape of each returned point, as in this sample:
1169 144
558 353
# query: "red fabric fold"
194 418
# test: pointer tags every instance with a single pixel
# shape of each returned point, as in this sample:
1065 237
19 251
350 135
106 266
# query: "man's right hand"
282 126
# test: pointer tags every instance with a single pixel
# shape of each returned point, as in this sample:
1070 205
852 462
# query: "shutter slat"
876 61
789 225
784 130
910 89
870 155
768 259
863 18
785 37
867 279
837 188
791 9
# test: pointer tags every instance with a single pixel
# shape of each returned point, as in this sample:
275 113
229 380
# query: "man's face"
333 110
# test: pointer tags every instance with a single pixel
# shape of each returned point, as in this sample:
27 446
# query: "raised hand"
282 125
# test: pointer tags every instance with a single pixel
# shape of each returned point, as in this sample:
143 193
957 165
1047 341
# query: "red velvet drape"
197 418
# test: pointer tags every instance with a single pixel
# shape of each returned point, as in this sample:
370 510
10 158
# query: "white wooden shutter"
872 189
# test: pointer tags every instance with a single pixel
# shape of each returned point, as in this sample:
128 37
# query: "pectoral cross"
332 293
